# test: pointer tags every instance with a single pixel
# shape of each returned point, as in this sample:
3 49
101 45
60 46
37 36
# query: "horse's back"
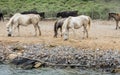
25 19
26 16
30 18
60 21
35 17
17 14
78 21
84 17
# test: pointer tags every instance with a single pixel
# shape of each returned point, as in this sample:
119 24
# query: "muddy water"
8 70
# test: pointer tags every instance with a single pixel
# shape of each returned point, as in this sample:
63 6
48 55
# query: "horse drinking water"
76 23
116 16
23 20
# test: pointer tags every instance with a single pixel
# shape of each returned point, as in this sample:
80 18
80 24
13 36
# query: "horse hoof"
55 36
9 35
83 38
65 39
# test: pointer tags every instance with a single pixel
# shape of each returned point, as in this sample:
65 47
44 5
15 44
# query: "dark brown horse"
116 16
58 25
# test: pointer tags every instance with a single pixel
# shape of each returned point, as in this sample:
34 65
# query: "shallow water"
8 70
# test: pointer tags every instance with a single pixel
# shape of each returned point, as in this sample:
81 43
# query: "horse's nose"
9 35
65 39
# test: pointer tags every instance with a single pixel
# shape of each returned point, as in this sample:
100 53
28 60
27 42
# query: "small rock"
12 56
115 71
19 54
37 64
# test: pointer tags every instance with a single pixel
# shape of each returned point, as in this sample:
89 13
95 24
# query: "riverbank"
101 51
46 55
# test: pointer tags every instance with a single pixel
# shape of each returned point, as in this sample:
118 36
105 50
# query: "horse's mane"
113 13
89 23
66 23
11 19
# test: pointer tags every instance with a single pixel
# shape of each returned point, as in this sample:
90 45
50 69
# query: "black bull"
66 14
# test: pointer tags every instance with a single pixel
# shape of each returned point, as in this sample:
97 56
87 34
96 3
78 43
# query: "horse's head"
111 15
9 35
9 29
65 34
65 29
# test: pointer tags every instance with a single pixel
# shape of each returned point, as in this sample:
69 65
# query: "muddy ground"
102 35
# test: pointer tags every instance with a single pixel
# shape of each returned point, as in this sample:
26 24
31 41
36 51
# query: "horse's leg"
73 32
116 25
55 32
18 27
3 18
61 31
39 30
56 27
35 30
86 31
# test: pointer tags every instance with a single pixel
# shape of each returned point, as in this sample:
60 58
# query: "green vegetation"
97 9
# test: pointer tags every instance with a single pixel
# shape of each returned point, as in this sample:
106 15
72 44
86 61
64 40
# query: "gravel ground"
106 60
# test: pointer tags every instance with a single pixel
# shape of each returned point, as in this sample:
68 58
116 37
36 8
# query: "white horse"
76 23
24 20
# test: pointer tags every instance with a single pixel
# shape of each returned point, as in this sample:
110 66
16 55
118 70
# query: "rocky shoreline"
37 55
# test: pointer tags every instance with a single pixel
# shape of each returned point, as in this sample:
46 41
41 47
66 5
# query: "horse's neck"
65 25
10 22
118 17
114 16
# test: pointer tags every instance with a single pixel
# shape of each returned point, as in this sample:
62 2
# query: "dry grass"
102 35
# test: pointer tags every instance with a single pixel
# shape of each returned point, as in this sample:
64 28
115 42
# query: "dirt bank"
102 35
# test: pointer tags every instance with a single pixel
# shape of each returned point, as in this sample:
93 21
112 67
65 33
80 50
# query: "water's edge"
9 70
60 58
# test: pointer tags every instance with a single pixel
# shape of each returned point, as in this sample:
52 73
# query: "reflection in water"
8 70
